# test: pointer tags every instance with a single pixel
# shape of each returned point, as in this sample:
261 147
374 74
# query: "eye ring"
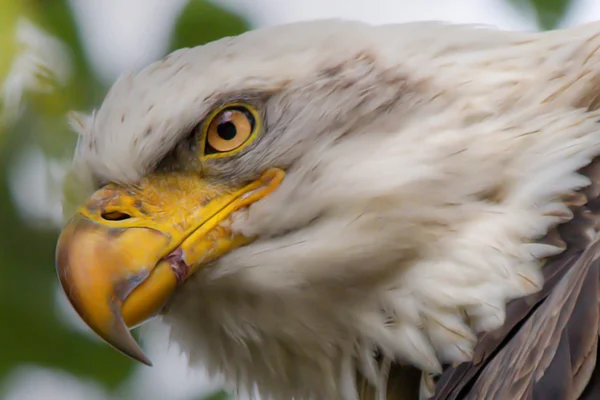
229 130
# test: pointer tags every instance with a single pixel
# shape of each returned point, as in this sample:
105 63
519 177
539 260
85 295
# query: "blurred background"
60 55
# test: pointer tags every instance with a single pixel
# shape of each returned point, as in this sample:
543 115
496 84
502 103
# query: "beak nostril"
115 216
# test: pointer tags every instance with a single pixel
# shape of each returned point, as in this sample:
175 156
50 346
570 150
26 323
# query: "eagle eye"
229 130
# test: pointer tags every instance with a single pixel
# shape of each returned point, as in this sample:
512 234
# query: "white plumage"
424 162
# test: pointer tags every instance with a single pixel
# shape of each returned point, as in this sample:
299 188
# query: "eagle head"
300 202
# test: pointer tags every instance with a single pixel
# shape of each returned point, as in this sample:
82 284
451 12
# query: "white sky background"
127 34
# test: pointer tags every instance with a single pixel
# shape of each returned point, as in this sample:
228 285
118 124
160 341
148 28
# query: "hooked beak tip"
121 339
90 290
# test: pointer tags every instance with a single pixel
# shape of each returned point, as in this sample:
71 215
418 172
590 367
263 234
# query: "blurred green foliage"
32 332
202 22
549 13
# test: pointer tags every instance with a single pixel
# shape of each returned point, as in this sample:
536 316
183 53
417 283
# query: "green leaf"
548 13
218 396
201 22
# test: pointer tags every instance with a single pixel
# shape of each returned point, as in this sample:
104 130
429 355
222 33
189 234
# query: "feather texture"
432 170
548 346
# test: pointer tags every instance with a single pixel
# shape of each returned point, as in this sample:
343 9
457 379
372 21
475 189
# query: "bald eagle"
333 210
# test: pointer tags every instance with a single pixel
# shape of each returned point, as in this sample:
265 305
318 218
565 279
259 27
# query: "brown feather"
402 384
548 346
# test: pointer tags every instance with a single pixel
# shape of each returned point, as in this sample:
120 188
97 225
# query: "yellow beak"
124 253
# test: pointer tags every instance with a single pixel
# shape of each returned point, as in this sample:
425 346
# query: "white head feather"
423 163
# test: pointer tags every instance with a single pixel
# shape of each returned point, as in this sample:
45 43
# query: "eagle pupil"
227 130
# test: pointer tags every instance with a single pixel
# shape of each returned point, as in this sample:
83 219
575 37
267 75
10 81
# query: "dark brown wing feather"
403 384
548 347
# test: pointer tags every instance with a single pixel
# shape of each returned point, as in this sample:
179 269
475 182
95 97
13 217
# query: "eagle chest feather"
541 349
